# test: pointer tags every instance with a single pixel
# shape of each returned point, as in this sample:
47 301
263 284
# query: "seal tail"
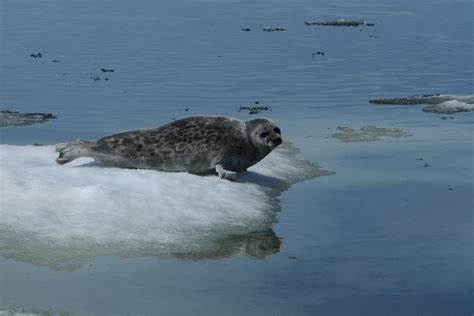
73 150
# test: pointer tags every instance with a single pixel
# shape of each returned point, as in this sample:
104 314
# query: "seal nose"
277 141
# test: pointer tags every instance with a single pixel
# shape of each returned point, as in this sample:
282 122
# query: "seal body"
201 145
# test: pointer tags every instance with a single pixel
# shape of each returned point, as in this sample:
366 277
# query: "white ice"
83 202
454 105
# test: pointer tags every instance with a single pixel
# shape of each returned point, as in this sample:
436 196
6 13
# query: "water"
385 234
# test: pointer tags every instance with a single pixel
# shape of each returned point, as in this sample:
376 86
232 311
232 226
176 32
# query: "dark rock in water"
255 108
339 22
274 29
412 100
246 29
12 118
37 55
106 70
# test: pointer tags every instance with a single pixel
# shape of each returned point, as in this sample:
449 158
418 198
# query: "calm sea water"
385 235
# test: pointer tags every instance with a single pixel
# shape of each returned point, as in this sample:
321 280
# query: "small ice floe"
13 118
339 22
449 107
366 134
438 103
254 108
274 29
60 216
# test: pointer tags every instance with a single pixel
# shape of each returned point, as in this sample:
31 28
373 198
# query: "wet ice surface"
389 233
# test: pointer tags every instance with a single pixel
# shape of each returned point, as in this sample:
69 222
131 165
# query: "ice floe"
438 103
54 215
13 118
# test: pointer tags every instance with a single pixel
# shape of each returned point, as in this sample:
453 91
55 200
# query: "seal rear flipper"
72 150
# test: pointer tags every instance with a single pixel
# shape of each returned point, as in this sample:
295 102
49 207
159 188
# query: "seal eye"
277 130
264 134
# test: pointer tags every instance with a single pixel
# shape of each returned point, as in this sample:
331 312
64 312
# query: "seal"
198 145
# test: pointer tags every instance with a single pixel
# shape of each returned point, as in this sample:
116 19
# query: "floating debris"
441 104
366 134
106 70
274 29
255 108
317 53
339 22
55 61
13 118
98 78
246 29
37 55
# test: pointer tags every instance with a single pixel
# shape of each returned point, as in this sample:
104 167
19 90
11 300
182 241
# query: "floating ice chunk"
449 107
442 104
51 211
425 99
12 118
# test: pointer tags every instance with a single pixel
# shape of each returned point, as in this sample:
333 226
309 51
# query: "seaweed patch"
367 134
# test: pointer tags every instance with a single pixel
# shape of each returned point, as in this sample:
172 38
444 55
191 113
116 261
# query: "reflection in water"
139 213
258 245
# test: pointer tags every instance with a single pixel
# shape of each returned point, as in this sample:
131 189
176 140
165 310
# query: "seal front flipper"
72 150
225 174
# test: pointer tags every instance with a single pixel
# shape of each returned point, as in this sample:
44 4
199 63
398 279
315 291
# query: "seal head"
264 135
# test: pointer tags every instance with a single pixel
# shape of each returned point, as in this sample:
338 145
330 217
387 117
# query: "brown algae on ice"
366 134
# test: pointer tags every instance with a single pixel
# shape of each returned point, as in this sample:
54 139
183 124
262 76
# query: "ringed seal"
199 145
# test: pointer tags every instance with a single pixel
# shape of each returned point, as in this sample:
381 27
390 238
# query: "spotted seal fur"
199 145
